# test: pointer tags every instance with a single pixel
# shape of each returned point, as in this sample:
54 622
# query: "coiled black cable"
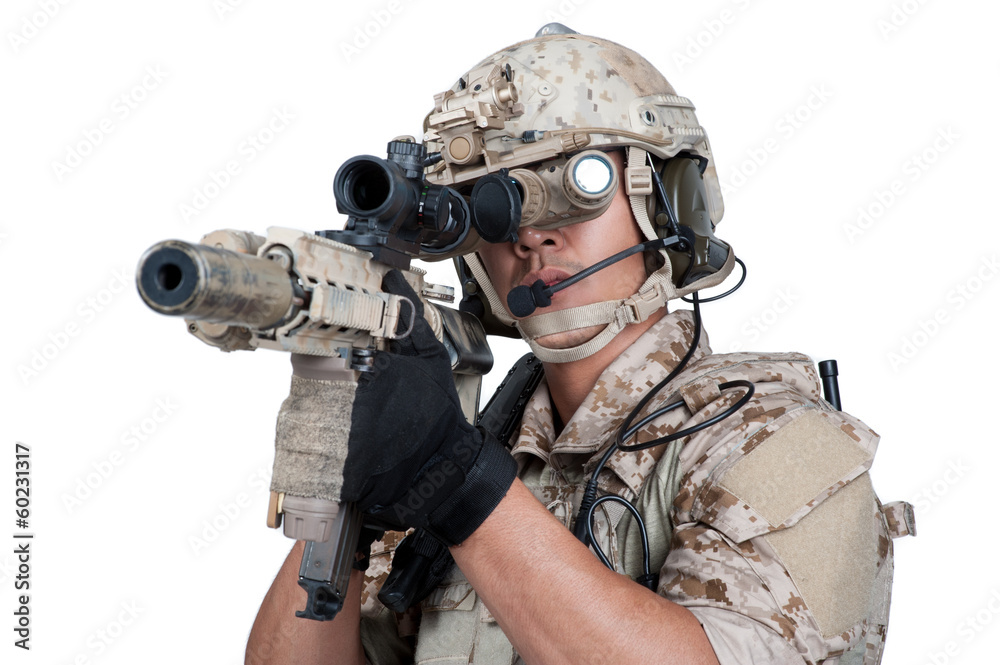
584 522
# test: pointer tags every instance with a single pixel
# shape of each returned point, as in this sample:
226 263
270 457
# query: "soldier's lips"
549 276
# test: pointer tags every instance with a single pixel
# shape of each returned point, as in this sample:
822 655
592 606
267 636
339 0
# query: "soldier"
761 539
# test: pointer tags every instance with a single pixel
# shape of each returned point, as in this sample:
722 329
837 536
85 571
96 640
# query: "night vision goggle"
566 190
547 195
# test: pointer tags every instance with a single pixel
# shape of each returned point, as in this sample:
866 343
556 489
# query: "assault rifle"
318 296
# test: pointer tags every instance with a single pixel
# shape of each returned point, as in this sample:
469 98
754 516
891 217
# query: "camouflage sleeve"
781 549
715 579
387 637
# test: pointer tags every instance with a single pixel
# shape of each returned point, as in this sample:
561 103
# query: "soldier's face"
553 255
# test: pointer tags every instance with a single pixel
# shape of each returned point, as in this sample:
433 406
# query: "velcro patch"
832 556
786 475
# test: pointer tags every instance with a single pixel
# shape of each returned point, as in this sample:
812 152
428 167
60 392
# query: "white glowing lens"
593 174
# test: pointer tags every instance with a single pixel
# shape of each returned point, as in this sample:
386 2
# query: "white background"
884 78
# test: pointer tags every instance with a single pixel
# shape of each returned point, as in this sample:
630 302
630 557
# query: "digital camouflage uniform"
764 525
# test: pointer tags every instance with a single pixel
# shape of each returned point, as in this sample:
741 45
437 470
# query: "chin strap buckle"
640 307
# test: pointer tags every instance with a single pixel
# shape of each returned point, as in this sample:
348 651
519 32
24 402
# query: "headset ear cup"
687 194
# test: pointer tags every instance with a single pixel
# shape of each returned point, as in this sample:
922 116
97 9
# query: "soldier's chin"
570 338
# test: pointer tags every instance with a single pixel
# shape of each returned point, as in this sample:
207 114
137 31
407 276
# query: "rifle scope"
400 203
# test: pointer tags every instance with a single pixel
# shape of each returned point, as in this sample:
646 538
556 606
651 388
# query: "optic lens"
593 174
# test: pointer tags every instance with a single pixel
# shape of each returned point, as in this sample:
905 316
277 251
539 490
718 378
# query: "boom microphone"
524 300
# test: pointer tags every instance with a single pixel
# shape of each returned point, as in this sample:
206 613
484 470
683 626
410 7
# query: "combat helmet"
563 96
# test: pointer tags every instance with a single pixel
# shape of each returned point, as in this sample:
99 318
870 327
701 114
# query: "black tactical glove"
413 460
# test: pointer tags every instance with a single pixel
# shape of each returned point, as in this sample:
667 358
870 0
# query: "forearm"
278 637
558 604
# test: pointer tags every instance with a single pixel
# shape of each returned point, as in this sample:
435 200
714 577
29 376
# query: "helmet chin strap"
615 315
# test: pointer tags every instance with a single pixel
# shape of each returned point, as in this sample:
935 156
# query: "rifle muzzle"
205 283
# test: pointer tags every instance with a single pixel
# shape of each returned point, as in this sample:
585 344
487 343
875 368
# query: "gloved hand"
413 460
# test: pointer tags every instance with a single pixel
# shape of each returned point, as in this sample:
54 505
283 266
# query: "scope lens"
368 187
593 174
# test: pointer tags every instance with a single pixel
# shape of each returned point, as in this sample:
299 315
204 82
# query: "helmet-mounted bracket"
486 99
